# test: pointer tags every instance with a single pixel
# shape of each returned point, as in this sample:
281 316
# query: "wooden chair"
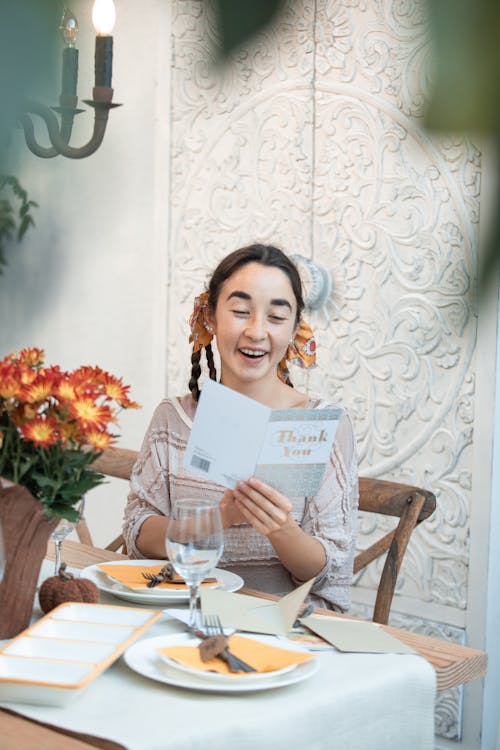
411 505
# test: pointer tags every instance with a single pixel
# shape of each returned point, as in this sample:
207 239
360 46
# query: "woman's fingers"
230 511
263 506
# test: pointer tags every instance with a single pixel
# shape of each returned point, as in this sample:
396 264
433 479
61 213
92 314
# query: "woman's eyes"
271 316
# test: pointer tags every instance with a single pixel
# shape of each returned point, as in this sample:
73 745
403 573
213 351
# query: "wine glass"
63 528
194 542
2 555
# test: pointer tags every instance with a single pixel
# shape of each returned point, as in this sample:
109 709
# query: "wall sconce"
103 18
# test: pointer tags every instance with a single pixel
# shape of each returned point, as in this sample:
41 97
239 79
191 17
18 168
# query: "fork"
213 627
165 574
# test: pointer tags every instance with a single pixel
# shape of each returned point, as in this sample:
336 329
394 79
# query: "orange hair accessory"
200 334
301 351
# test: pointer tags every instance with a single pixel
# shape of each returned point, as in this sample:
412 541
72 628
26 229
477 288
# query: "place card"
356 636
253 614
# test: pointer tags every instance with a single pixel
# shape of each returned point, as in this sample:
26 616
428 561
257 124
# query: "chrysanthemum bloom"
89 414
40 431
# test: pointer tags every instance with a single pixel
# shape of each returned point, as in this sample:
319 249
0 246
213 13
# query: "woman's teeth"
252 352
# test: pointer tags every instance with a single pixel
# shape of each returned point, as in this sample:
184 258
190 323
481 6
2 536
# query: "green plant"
13 224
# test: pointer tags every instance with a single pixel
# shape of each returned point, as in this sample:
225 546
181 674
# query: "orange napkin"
131 576
261 656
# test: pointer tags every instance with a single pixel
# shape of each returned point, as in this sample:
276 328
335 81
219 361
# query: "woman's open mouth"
252 354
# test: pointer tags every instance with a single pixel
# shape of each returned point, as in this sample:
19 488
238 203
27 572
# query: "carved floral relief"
312 138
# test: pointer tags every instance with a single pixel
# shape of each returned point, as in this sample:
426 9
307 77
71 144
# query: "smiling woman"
253 309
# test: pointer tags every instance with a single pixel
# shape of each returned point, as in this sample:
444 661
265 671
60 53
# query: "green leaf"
8 227
239 20
466 65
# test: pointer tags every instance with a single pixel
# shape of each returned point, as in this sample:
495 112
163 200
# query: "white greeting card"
234 437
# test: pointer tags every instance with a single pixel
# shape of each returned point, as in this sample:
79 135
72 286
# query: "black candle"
103 60
69 71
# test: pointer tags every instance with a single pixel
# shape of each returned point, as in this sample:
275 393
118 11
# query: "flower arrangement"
53 425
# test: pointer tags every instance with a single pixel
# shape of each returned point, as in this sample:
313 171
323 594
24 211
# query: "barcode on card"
200 463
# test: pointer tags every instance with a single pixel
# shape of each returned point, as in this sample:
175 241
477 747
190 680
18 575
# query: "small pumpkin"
64 587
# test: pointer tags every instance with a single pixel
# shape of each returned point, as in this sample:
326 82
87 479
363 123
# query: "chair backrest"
114 462
410 504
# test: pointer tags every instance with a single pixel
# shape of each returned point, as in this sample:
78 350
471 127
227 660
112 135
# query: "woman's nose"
255 328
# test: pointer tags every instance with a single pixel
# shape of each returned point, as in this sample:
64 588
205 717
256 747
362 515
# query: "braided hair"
267 255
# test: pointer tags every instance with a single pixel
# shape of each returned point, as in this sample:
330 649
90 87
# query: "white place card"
234 437
356 636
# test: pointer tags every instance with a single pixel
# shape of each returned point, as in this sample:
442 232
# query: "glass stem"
193 606
58 545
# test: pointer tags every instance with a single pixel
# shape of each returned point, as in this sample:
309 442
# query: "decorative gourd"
66 588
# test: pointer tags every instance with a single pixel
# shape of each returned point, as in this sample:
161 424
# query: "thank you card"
234 437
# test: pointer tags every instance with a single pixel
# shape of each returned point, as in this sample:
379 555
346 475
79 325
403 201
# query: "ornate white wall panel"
313 139
242 155
395 219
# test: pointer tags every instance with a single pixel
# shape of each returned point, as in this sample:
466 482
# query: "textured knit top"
158 478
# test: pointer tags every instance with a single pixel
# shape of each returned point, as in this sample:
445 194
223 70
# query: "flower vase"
26 532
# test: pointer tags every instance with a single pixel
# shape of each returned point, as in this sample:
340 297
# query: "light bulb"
68 28
103 17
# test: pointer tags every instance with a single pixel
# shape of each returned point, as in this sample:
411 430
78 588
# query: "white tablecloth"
354 701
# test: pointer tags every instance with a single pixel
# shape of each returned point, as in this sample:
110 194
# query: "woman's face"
254 321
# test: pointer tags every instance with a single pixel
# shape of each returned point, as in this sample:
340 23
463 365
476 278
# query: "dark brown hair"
266 255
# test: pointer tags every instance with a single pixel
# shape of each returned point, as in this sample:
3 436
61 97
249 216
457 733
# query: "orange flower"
99 440
69 432
89 414
128 404
40 431
31 357
66 391
27 375
9 386
88 375
41 388
114 388
29 412
116 391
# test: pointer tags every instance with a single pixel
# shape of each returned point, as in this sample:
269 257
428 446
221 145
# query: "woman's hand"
266 509
231 514
269 512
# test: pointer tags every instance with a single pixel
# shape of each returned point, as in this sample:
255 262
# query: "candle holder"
59 130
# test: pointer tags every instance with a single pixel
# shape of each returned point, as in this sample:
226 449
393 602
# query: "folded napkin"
261 656
131 576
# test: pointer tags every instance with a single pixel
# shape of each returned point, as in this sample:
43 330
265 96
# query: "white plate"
217 676
227 581
144 658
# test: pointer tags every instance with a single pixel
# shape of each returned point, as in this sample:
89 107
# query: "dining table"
352 700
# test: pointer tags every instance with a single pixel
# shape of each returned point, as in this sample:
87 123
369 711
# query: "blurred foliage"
13 224
29 45
466 66
239 20
466 88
